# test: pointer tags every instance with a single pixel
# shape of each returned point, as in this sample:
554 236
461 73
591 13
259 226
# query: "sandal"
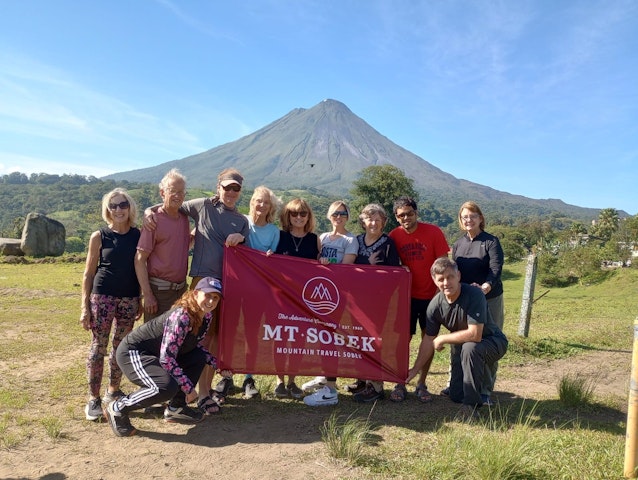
422 394
399 393
217 397
208 406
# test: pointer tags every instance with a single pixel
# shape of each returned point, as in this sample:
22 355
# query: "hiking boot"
368 395
356 387
93 409
323 396
120 423
224 386
294 391
182 414
314 384
281 391
250 390
111 396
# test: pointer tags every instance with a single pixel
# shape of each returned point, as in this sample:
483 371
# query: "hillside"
324 148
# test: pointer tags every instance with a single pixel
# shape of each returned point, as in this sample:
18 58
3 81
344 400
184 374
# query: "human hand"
324 260
226 373
413 372
486 288
438 344
148 222
85 319
150 303
234 239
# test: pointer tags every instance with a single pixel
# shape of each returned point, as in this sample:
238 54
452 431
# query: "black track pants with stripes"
156 384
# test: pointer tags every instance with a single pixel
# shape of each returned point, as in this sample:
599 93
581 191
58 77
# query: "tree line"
569 250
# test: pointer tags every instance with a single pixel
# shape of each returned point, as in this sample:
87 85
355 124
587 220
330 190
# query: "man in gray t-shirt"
475 340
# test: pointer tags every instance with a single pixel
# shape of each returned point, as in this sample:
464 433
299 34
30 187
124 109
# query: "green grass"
345 440
576 390
39 314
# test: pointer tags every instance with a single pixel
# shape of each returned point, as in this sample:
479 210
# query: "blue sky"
536 98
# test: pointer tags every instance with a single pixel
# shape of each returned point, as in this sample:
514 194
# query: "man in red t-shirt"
419 245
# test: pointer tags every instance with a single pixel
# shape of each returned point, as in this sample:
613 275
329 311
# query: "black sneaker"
119 421
294 391
356 387
182 414
225 386
369 395
93 409
446 392
281 391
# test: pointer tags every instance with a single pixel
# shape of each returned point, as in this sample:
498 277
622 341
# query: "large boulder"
10 246
42 236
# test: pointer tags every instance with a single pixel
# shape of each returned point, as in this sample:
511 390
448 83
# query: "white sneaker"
314 385
323 396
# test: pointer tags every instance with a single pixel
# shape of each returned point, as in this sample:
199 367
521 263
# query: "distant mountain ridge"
324 148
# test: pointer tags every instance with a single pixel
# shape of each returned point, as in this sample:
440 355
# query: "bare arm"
141 271
92 259
148 220
473 333
423 359
349 258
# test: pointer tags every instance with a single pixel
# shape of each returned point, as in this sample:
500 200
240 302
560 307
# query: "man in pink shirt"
419 245
161 261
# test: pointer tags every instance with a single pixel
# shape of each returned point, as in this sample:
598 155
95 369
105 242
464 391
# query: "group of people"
132 272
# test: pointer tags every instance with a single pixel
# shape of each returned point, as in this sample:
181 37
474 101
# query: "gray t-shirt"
335 249
214 221
469 309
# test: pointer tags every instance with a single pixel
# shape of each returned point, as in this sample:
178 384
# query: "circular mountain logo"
321 295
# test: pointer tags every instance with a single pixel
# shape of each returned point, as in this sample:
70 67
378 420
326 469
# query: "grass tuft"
576 390
346 440
52 426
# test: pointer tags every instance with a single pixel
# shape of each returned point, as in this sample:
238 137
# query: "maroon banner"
287 315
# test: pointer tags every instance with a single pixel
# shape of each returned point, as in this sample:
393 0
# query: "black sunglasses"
339 213
123 205
299 214
233 186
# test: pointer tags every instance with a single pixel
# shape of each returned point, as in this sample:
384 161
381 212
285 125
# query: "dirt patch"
265 438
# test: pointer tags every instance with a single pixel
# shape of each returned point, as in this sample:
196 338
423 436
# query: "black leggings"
156 384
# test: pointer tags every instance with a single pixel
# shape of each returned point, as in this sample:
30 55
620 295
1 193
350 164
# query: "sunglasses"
123 205
299 214
233 186
411 213
339 213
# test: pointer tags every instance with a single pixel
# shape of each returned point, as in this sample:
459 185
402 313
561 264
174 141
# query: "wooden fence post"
631 450
528 295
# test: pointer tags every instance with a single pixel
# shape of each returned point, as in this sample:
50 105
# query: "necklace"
294 240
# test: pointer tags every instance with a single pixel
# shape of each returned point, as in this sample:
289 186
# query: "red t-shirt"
417 251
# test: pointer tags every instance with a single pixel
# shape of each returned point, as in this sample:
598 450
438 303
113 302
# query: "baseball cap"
209 285
230 178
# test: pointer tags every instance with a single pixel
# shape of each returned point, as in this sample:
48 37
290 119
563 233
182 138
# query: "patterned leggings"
106 309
